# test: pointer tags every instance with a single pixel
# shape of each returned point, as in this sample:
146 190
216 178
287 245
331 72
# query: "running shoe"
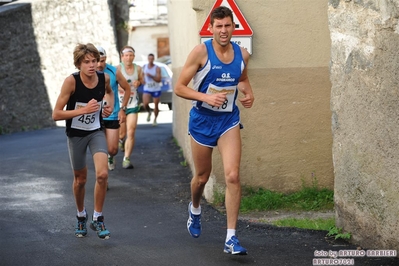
99 227
154 124
121 145
111 163
80 228
126 164
193 223
232 246
149 117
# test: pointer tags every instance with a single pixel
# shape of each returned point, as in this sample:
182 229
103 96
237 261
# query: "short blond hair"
81 50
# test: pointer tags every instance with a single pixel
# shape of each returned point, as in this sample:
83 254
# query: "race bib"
133 99
152 86
87 122
227 106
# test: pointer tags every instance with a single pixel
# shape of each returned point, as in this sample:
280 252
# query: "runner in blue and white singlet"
216 77
218 68
152 87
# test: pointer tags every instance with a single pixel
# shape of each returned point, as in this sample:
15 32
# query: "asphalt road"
145 211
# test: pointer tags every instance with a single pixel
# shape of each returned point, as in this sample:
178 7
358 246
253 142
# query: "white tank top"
133 99
150 84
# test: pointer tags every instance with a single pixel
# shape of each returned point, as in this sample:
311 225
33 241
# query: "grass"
307 199
314 224
337 233
181 155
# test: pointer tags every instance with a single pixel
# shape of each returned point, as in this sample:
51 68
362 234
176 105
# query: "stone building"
37 41
149 31
365 115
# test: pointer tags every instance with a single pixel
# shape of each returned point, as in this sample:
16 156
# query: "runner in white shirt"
133 75
152 87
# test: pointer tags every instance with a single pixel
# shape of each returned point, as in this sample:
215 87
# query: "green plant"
181 155
337 233
123 26
306 223
218 197
309 198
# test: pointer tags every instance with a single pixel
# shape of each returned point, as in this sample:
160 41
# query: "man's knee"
112 151
202 178
80 179
102 176
232 177
131 132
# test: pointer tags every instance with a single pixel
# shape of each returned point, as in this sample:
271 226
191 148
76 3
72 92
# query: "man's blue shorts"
154 94
206 129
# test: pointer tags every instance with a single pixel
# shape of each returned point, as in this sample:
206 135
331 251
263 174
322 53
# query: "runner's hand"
247 101
92 107
136 83
121 116
107 110
216 99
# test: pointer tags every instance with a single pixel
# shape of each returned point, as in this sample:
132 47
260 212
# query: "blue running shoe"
80 228
99 227
193 223
232 246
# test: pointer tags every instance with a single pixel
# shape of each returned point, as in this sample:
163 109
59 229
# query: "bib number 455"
87 119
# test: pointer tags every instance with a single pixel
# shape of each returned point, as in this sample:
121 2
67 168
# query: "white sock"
125 158
96 214
82 213
230 233
195 211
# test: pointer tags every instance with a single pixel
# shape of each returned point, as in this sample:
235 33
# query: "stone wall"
37 41
365 120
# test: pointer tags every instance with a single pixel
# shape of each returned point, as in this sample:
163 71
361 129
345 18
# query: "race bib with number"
152 86
227 106
87 122
133 99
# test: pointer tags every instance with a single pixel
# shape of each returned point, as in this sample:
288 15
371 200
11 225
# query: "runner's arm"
109 98
124 85
67 89
158 76
195 60
140 74
244 85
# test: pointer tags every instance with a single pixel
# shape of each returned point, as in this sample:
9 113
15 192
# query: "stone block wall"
37 41
24 102
365 119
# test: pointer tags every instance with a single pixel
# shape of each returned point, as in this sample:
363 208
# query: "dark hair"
221 12
151 55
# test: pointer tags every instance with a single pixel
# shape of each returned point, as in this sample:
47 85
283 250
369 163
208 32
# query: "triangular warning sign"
242 26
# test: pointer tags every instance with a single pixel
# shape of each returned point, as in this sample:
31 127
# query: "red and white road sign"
242 34
242 26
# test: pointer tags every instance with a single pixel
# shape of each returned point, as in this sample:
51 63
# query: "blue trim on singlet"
219 74
111 71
